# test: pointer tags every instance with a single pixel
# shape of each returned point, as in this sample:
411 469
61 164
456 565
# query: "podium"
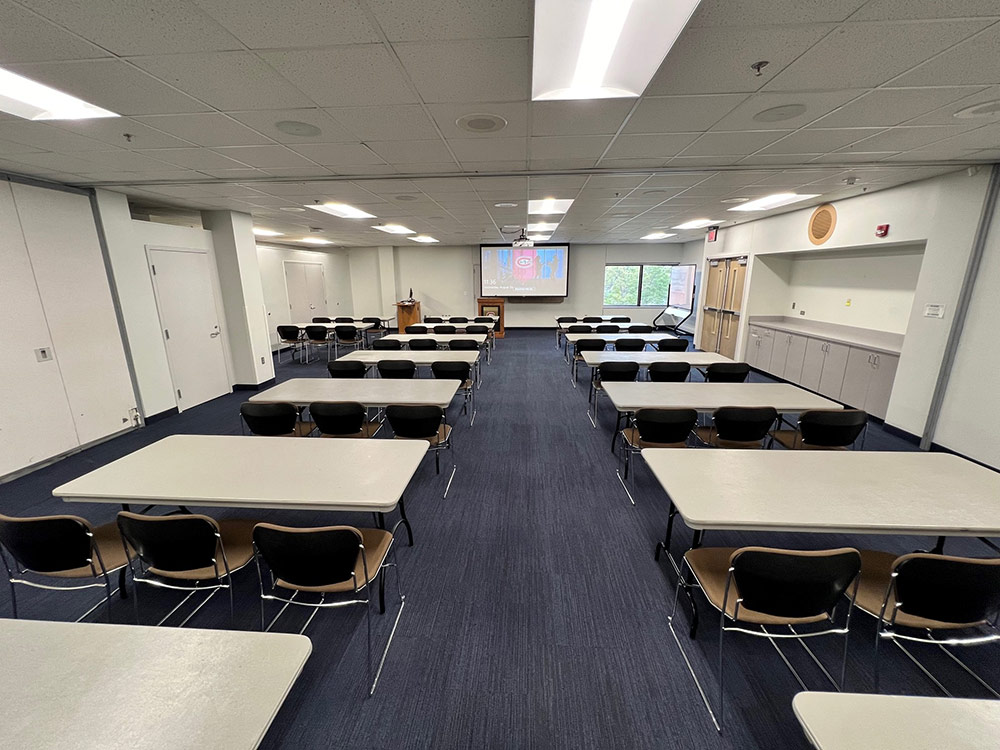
407 314
493 306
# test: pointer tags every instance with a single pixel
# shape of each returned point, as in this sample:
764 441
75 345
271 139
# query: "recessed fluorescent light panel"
35 101
342 210
602 49
266 232
696 224
539 237
542 226
315 241
422 238
549 206
393 228
773 201
657 236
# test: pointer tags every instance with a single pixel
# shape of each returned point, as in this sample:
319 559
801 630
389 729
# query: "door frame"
217 300
288 297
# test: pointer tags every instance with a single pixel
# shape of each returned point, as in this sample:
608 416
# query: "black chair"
739 427
44 552
445 328
339 562
560 322
672 345
433 319
415 329
274 420
290 336
424 423
566 319
458 319
463 345
836 429
584 345
608 328
461 371
187 552
579 328
917 595
344 419
653 428
346 368
669 372
347 336
727 372
377 327
593 319
385 343
318 336
630 345
480 330
483 319
322 320
640 328
396 369
758 589
344 319
610 372
422 345
621 319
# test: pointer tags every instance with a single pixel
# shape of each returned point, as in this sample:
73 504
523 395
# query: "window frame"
638 289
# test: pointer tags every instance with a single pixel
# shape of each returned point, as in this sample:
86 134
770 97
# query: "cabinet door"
779 353
766 347
834 365
730 326
795 358
883 374
753 339
812 364
857 376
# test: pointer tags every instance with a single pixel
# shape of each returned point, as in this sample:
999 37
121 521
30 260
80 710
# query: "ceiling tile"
402 122
702 63
679 114
569 147
127 161
52 162
515 113
973 61
904 138
271 157
112 84
886 107
337 154
895 10
139 27
404 20
649 146
410 152
746 142
355 75
485 70
598 117
209 129
946 115
25 37
743 13
842 157
44 136
816 104
10 147
489 149
869 54
192 158
265 122
819 140
264 24
112 131
225 80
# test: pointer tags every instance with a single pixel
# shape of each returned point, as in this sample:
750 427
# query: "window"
637 285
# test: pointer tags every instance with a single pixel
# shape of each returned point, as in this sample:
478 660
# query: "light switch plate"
44 354
934 311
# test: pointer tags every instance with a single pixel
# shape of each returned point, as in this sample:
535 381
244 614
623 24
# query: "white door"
189 320
306 287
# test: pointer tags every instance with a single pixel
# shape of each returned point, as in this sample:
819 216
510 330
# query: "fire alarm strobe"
882 230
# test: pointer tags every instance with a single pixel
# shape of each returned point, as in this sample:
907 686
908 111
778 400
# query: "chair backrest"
477 329
483 319
47 544
640 328
621 319
320 556
346 368
387 344
346 333
415 329
835 428
727 372
607 328
618 372
269 419
665 425
590 345
376 323
744 424
464 345
451 370
422 344
317 333
433 319
669 372
338 418
672 345
397 369
343 319
458 319
946 588
289 333
630 345
566 319
578 329
322 320
445 328
593 319
173 543
414 421
793 583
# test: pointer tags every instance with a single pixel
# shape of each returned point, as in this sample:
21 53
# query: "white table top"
862 721
479 338
419 358
851 492
592 326
611 337
710 396
368 391
254 472
645 359
470 317
432 326
132 687
330 326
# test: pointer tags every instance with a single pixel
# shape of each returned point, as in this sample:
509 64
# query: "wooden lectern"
407 314
492 306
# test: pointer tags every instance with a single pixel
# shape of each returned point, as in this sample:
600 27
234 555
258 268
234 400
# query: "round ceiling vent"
822 223
481 123
985 109
777 114
294 127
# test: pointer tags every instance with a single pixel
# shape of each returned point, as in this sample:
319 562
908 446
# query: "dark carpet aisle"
535 615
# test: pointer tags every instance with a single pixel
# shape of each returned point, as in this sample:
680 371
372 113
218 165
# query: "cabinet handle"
876 356
870 359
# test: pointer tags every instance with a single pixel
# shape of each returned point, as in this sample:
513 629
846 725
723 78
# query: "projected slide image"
524 271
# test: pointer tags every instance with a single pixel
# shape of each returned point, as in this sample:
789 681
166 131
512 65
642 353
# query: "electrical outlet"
44 354
802 312
262 360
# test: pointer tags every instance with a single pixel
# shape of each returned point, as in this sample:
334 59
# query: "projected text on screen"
538 271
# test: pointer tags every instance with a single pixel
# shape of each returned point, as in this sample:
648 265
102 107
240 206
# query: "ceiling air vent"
822 223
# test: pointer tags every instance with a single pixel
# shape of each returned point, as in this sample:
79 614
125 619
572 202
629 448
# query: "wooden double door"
723 305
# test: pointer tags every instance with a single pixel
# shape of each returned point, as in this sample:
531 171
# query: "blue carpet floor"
535 614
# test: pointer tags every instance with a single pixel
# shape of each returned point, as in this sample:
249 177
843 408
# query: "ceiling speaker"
822 223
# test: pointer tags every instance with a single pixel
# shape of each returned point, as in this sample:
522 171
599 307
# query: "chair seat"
108 541
709 436
792 440
710 566
443 433
635 441
876 574
368 429
237 541
377 543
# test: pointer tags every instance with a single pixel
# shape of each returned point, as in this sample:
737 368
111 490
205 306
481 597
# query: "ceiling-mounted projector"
523 241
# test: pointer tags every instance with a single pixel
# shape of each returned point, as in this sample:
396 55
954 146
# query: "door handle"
213 334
